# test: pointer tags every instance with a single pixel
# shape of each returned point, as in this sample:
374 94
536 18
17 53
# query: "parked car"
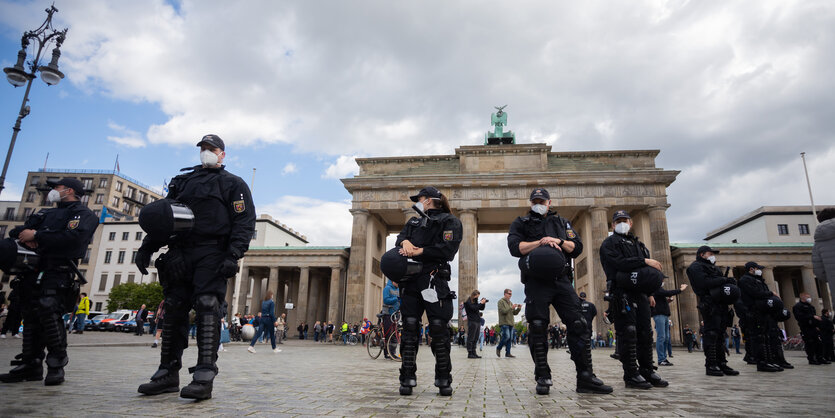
120 315
92 324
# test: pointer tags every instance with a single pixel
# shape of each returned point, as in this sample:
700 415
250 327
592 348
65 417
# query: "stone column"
272 285
243 290
599 220
789 299
293 297
333 298
468 255
230 295
660 237
768 277
810 287
281 296
355 289
301 304
826 296
255 303
408 214
313 299
687 303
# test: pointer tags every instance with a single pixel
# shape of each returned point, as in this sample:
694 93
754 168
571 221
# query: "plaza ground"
309 379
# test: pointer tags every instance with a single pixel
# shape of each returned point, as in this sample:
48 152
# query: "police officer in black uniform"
420 263
632 277
715 293
48 290
809 321
759 325
588 310
195 269
544 242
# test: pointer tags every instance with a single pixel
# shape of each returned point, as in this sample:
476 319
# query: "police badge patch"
72 224
239 206
570 234
447 235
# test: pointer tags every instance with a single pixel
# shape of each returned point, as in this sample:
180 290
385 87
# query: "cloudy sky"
730 92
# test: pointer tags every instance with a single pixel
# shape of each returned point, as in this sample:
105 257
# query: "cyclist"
344 332
391 304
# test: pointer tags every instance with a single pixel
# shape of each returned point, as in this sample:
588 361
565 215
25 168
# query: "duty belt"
198 243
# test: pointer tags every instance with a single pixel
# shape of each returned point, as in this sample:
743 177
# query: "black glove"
228 268
175 265
143 260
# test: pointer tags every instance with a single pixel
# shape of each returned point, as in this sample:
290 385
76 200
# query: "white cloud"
128 138
289 168
323 222
344 166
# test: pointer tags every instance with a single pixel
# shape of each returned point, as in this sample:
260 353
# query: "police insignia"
447 235
72 224
570 234
239 206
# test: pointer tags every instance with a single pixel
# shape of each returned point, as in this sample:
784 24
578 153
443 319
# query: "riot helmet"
166 219
545 262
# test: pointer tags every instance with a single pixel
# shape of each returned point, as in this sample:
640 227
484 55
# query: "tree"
133 295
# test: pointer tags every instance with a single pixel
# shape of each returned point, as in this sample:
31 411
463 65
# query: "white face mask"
808 300
758 272
419 206
540 209
712 259
208 158
53 196
622 228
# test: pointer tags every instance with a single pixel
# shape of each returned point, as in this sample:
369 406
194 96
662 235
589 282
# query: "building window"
153 277
112 236
86 258
804 229
139 235
100 198
9 214
133 257
30 197
27 212
782 229
125 236
52 179
117 278
103 282
118 186
130 192
3 231
143 197
34 180
85 200
107 256
88 183
121 257
115 202
126 208
131 277
102 183
97 212
98 306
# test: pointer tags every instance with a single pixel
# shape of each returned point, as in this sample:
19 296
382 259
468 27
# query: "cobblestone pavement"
308 379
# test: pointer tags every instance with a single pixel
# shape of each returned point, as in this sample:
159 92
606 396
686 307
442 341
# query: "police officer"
424 249
544 242
60 237
632 277
758 325
195 269
806 316
588 310
715 292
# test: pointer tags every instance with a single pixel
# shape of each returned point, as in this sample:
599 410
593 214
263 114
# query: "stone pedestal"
597 284
333 298
355 292
468 254
810 287
304 286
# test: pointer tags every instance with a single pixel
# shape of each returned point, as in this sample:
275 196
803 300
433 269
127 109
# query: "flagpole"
809 185
252 183
45 161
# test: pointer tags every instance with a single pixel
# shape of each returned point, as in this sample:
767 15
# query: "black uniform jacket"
805 313
222 206
753 289
535 226
439 236
588 310
63 232
704 276
621 252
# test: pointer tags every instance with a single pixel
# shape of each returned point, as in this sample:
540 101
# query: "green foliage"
520 327
133 295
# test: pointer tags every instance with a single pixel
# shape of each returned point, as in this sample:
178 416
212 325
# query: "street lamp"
18 76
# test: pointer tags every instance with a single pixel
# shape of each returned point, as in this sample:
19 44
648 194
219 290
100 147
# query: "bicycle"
376 339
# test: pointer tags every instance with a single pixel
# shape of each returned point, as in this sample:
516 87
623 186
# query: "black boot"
55 370
632 377
711 365
31 371
587 382
30 362
443 363
538 345
653 378
408 353
55 338
163 381
208 340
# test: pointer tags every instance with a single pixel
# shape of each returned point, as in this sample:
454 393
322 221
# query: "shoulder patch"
239 206
570 234
448 235
72 224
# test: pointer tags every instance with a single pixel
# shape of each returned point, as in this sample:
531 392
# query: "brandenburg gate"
488 186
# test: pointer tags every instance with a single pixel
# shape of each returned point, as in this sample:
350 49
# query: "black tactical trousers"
634 332
43 305
412 307
715 317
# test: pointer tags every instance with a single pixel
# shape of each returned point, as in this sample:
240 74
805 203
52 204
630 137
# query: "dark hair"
444 204
826 214
268 296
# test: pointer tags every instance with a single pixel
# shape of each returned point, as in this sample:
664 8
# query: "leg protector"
173 342
30 363
408 352
440 348
711 357
54 335
579 343
538 344
208 339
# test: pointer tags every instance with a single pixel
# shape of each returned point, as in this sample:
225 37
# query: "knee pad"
438 328
206 303
48 305
411 324
538 327
711 335
579 327
174 305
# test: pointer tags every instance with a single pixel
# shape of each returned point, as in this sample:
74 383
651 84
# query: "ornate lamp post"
18 76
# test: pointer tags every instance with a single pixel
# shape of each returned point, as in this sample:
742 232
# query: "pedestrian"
13 316
632 278
809 322
715 292
216 209
827 329
268 323
391 305
661 316
281 323
305 328
823 252
141 316
317 329
507 310
473 307
545 242
688 338
81 314
735 334
61 236
422 253
589 311
159 318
